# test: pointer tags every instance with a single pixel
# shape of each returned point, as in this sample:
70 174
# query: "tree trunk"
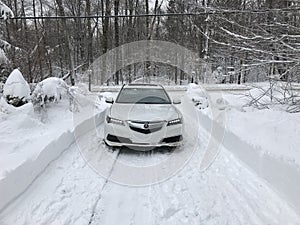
117 41
67 42
37 42
106 26
147 63
90 33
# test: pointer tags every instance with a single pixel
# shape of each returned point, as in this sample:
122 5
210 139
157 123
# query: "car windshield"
143 96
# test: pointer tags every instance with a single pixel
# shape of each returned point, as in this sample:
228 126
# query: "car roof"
156 86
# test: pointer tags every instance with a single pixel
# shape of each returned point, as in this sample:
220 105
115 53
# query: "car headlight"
114 121
174 122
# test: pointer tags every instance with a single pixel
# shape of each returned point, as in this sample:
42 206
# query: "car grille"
172 139
146 127
117 139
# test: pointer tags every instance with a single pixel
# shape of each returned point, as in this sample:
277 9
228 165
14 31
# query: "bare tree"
67 42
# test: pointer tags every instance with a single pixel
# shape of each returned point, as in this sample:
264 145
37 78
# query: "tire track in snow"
103 187
52 198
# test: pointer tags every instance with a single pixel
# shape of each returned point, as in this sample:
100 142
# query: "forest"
248 40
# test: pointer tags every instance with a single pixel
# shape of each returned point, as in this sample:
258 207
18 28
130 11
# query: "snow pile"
16 89
106 95
5 11
267 140
6 108
16 85
198 95
275 131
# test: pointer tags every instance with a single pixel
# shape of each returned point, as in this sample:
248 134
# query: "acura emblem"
146 125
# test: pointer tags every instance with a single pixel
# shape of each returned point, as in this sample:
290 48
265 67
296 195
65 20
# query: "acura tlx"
143 115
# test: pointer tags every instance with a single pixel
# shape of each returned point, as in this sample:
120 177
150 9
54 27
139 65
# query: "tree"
117 40
67 42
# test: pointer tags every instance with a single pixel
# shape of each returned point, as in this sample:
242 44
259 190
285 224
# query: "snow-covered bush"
49 90
5 11
54 89
16 89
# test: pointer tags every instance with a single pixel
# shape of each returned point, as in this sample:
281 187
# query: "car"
143 116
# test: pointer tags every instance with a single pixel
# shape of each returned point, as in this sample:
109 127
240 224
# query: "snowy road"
71 192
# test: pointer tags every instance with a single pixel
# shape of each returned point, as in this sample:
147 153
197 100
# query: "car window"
143 96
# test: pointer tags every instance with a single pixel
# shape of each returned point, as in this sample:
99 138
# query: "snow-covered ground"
71 190
29 141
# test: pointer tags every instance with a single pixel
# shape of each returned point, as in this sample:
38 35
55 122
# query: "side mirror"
109 100
176 101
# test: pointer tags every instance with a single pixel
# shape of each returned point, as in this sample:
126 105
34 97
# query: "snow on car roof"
143 86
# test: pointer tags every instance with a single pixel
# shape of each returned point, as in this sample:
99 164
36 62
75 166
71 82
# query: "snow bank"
267 141
29 146
283 175
16 86
273 130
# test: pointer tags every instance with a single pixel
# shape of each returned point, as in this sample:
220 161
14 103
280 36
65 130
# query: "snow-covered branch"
5 11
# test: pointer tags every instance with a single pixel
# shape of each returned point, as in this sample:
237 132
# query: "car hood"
144 112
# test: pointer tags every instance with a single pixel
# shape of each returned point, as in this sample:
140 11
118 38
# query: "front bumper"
118 136
143 146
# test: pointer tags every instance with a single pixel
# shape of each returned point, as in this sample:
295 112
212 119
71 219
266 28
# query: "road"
71 191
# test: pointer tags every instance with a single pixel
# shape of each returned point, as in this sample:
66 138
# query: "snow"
53 87
3 58
105 95
29 141
59 180
5 11
266 141
71 192
274 131
162 80
199 97
5 45
5 108
16 85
